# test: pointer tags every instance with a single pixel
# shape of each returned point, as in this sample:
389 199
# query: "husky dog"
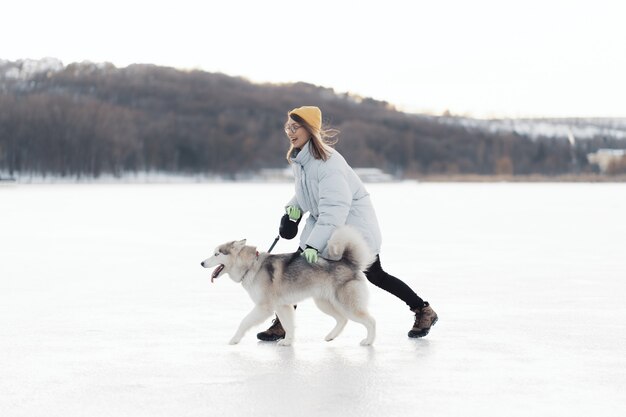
277 282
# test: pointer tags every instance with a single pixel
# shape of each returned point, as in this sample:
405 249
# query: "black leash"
274 244
288 229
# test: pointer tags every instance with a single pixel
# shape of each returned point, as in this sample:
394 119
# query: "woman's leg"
393 285
425 316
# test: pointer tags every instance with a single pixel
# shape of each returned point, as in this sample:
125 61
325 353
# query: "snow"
105 310
578 128
25 69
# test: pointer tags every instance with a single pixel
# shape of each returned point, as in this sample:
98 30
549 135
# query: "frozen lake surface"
105 310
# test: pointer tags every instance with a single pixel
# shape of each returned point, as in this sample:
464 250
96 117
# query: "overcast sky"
482 58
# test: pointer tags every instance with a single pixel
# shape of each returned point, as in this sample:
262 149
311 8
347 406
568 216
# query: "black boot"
425 318
274 333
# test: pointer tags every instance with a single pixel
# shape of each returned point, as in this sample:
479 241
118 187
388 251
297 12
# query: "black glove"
288 228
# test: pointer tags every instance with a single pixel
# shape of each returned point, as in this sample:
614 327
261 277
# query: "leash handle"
274 244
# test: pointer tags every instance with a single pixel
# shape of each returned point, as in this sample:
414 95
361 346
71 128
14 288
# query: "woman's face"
298 136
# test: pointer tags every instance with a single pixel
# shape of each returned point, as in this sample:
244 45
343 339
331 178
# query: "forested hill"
90 119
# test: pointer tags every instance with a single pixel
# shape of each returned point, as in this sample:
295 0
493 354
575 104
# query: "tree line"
89 120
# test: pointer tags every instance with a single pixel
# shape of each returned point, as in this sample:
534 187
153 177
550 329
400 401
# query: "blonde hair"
322 140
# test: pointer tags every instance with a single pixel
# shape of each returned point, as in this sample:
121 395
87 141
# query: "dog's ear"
240 244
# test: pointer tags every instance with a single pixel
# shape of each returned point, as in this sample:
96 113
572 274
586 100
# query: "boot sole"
416 335
272 338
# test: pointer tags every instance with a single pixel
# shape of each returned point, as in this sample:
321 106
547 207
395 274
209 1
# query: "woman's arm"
335 200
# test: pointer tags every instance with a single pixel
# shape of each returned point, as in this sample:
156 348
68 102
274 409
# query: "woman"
333 194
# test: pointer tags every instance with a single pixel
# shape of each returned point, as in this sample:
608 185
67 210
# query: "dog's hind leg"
286 316
363 317
256 316
352 301
328 308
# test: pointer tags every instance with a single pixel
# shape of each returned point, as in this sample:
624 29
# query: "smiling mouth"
217 271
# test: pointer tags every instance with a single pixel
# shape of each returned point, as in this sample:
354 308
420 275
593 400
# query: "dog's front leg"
287 319
256 316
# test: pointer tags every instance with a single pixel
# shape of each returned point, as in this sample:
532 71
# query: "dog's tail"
349 245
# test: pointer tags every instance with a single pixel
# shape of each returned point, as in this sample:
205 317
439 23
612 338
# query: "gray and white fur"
277 282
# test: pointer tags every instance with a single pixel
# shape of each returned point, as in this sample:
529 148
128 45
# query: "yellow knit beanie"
311 114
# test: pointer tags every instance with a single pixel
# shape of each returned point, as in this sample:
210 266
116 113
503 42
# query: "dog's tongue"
217 271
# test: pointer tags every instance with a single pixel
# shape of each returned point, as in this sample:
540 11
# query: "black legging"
393 285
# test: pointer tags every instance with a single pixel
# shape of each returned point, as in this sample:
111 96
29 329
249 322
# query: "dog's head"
224 257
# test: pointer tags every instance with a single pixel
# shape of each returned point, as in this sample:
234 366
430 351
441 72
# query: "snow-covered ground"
105 310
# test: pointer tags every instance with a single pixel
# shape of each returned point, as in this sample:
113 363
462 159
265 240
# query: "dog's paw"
285 342
234 341
366 342
329 338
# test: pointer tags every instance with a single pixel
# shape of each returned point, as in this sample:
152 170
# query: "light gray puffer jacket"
333 195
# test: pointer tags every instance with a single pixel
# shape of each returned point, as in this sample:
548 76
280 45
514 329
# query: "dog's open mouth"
217 271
